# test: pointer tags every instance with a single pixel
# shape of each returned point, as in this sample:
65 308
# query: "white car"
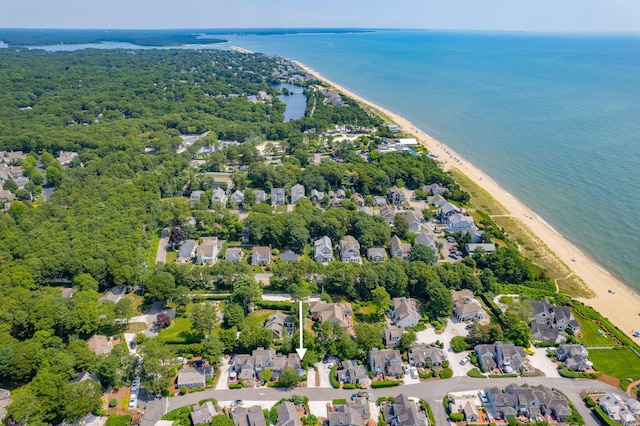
414 373
465 360
483 397
133 401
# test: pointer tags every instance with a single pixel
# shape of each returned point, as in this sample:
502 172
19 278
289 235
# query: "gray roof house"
207 252
351 372
376 254
505 356
114 294
248 367
187 251
435 189
194 377
345 415
358 198
252 416
486 247
234 254
530 402
405 312
379 200
219 195
289 256
396 195
317 196
459 223
557 317
388 213
203 414
350 250
237 197
446 211
392 336
425 356
287 415
280 324
195 196
385 361
575 357
466 307
339 313
413 219
297 192
323 250
621 410
544 332
425 239
399 249
437 200
403 412
277 196
261 255
261 196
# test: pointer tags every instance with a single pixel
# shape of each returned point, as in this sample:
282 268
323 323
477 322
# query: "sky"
518 15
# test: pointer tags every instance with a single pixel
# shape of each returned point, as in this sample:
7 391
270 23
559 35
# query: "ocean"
553 118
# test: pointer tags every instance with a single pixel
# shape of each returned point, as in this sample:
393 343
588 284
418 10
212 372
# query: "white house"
322 250
297 192
350 249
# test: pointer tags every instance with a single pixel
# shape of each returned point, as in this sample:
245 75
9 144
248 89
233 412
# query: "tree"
381 300
212 349
177 237
400 225
161 286
85 282
54 175
266 375
422 253
369 336
234 315
81 398
247 291
124 309
221 420
516 330
407 339
204 318
459 344
181 297
162 320
289 376
440 301
254 337
10 185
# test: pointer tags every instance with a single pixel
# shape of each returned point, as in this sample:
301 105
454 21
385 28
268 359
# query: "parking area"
540 361
454 328
223 380
323 374
318 408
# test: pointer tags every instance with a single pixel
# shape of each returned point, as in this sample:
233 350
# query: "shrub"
459 344
446 373
349 386
474 372
333 378
427 409
603 417
456 417
386 398
274 304
113 402
590 402
339 401
565 372
384 384
502 376
445 363
183 390
445 402
235 386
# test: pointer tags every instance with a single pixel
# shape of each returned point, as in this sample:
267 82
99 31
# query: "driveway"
323 373
319 408
161 254
311 378
540 361
223 380
453 328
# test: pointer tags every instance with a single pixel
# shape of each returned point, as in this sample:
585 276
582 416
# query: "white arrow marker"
301 350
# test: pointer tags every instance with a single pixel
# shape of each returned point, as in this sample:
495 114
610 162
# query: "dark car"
469 326
132 344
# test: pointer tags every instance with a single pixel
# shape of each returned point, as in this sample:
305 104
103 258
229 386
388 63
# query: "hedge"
276 385
565 372
445 402
339 401
275 304
386 398
456 417
474 372
349 386
235 386
501 376
384 384
446 373
427 409
602 416
333 378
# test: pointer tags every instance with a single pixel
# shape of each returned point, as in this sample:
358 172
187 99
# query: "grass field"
591 334
136 327
620 363
120 420
257 318
179 332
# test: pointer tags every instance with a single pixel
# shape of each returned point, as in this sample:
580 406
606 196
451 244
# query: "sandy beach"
621 307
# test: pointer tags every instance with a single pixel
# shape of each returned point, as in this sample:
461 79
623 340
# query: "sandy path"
622 308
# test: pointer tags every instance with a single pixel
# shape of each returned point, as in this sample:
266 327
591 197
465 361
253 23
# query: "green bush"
349 386
456 417
590 402
339 401
277 385
183 390
427 409
603 417
425 375
565 372
333 378
445 363
445 402
235 386
384 384
502 376
274 304
446 373
459 344
474 372
386 398
113 402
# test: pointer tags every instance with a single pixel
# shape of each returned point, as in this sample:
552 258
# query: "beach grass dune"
576 273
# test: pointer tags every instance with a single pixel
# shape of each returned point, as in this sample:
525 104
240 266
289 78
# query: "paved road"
432 392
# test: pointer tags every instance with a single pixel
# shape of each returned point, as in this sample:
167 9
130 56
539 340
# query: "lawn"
257 318
620 363
171 256
179 332
591 334
367 313
136 327
119 420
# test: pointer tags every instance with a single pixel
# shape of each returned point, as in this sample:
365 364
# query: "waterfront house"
434 189
575 357
625 411
466 307
447 211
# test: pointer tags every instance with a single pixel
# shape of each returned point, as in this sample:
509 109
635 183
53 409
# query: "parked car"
414 373
133 344
237 402
468 327
465 360
483 396
133 401
405 368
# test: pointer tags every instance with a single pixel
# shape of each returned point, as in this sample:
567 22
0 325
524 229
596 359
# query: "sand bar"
621 307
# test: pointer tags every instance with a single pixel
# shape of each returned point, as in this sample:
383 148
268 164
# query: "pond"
296 101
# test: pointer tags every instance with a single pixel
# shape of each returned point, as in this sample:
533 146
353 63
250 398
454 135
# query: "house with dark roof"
437 200
287 414
399 249
435 189
387 362
252 416
575 357
388 213
392 336
425 239
425 356
317 196
549 321
261 255
289 256
344 415
376 254
447 211
280 324
403 412
187 251
277 196
396 195
350 250
459 223
505 356
202 414
351 372
537 403
194 377
405 312
249 367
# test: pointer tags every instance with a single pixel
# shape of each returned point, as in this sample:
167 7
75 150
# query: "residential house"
405 312
11 156
194 377
281 325
379 201
316 196
396 196
335 313
340 194
459 223
403 412
392 336
234 254
219 195
237 197
249 367
350 250
399 249
345 415
393 128
261 196
220 179
625 411
535 403
468 405
385 361
477 236
359 199
505 356
548 316
252 416
426 356
6 196
114 294
466 307
323 250
203 414
486 248
261 255
84 377
187 251
289 256
21 182
99 344
287 414
376 254
544 332
297 192
278 196
195 197
575 357
434 189
437 200
446 211
414 220
388 213
207 252
425 239
351 372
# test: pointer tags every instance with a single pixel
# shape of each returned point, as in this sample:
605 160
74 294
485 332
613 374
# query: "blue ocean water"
554 119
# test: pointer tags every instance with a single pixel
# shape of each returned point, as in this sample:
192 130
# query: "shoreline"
621 307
